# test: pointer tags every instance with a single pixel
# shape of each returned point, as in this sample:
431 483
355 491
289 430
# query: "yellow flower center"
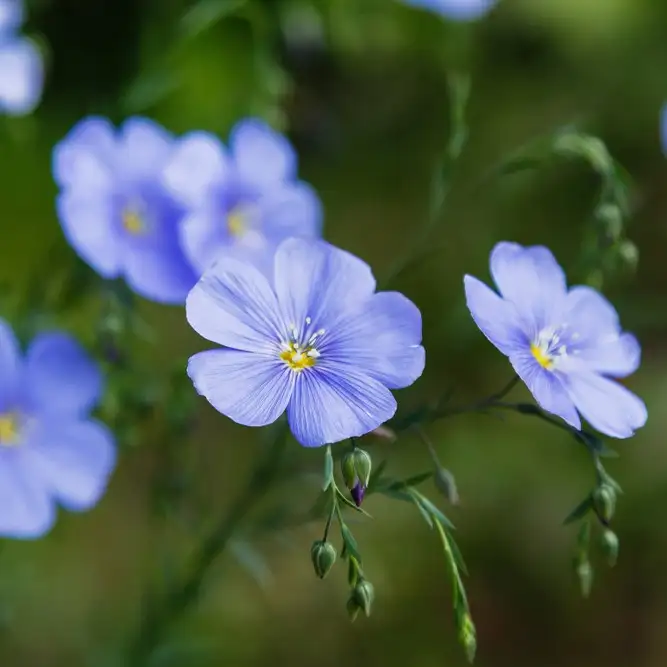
9 429
298 357
133 222
542 358
237 221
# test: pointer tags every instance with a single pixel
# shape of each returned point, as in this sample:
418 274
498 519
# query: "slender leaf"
328 469
580 511
205 14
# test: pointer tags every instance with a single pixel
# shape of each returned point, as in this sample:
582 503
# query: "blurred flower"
21 66
241 202
458 10
321 344
114 209
564 344
50 450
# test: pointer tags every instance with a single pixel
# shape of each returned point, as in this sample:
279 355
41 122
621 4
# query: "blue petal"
85 159
198 161
316 280
336 403
606 405
27 511
292 210
160 274
143 148
532 280
233 305
382 340
74 461
60 377
203 237
250 389
88 222
21 77
546 387
11 16
262 156
496 318
459 10
589 314
616 356
10 366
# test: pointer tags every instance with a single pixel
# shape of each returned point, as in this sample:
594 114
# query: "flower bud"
358 492
610 217
604 501
446 484
610 546
323 555
468 636
584 572
348 470
363 465
628 254
363 595
352 609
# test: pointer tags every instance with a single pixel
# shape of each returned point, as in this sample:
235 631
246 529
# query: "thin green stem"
161 615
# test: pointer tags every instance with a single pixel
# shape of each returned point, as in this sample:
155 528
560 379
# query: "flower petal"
74 460
85 158
233 305
143 149
60 377
203 237
197 161
250 389
496 318
382 339
607 405
88 224
26 509
531 279
21 76
331 405
616 356
158 273
262 156
291 210
588 314
10 366
316 280
458 10
546 387
11 16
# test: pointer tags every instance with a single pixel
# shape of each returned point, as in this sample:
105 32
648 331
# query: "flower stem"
162 613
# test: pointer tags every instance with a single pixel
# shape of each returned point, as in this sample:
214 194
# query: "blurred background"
360 88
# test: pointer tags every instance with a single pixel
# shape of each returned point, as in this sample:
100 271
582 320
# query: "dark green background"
360 86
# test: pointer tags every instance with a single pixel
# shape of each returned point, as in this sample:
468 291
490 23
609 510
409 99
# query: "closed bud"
584 572
629 254
323 555
446 484
363 595
604 501
610 545
468 636
611 220
363 465
349 470
352 608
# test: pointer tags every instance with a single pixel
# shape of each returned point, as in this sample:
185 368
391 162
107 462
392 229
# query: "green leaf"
433 510
252 561
410 481
349 542
328 469
205 14
580 511
148 90
352 505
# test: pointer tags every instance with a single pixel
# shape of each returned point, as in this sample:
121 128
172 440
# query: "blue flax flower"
318 342
21 66
458 10
243 201
564 344
51 451
114 209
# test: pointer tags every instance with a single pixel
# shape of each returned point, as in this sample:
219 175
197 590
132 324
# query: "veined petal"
606 405
335 403
88 225
546 387
27 511
588 313
383 340
233 305
262 156
616 356
10 366
144 147
85 158
250 389
160 274
203 236
21 76
74 461
60 377
197 161
316 280
496 318
291 210
531 279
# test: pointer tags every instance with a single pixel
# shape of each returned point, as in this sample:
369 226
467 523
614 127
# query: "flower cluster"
21 66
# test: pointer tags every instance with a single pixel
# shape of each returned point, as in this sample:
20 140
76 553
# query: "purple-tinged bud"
357 492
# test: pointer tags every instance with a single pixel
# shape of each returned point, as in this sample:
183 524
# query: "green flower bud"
584 572
356 468
610 217
610 546
323 555
352 609
468 636
363 595
348 470
604 501
628 254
